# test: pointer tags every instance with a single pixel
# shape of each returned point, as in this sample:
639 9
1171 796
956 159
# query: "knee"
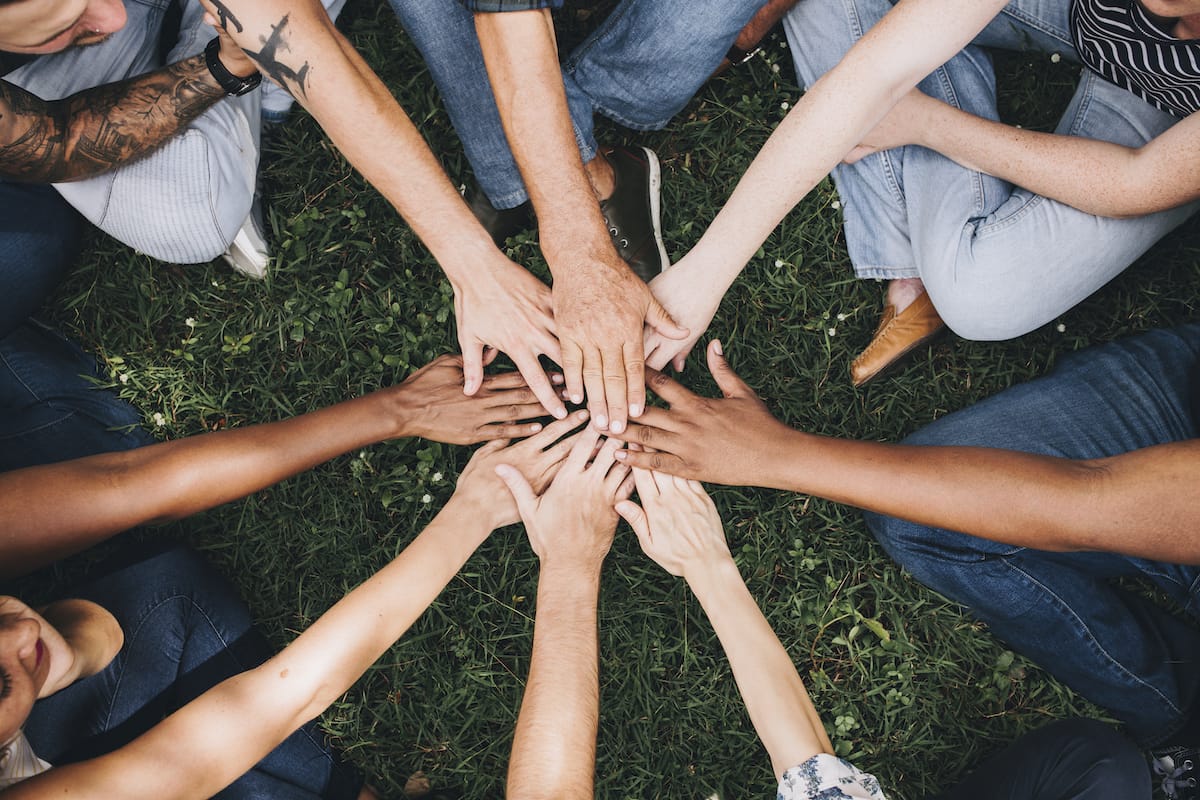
1097 756
983 312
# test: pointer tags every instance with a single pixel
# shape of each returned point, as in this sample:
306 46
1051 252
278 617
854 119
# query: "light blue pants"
639 68
997 260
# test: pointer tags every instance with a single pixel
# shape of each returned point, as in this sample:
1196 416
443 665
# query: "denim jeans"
50 407
185 631
639 68
997 260
1075 759
39 239
1061 609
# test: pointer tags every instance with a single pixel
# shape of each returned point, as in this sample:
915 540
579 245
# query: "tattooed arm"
101 128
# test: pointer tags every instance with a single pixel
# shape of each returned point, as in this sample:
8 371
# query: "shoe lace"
1178 782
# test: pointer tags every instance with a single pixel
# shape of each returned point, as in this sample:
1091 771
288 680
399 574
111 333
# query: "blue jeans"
185 631
39 239
1075 759
639 68
50 408
997 260
1060 609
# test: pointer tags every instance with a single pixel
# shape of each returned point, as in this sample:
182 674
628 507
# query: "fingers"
582 448
659 462
645 436
680 360
503 381
593 384
667 388
489 355
605 458
647 489
658 319
635 381
626 488
508 431
521 491
555 431
472 367
727 380
543 390
572 364
632 513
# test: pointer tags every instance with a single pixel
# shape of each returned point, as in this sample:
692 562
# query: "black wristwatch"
231 83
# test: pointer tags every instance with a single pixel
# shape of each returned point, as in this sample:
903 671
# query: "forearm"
522 62
554 745
1139 503
99 129
775 697
1094 176
221 734
297 45
51 511
834 115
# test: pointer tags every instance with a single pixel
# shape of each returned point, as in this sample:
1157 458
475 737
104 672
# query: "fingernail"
635 411
601 422
618 426
560 413
717 348
582 414
576 398
535 427
556 378
622 455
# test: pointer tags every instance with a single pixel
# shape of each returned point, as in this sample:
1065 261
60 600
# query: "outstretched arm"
101 128
679 528
497 302
212 740
1139 503
1098 177
600 306
571 528
831 118
51 511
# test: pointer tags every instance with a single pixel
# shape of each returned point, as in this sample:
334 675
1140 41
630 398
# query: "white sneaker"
248 252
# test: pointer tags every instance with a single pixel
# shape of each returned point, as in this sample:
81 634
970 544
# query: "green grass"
910 687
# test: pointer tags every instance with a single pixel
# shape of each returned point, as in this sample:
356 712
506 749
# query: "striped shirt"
1120 42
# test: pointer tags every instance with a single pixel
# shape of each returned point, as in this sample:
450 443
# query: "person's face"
26 642
48 26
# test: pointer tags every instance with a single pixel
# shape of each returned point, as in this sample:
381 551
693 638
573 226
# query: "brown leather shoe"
896 335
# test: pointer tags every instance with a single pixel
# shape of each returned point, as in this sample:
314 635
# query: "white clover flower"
190 322
835 205
1055 58
841 317
774 68
831 331
426 499
785 105
159 420
123 377
437 477
778 263
1061 328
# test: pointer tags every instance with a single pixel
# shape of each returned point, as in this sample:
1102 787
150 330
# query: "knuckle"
658 379
645 435
657 461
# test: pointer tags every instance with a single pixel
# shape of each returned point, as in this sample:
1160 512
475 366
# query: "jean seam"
1113 663
1036 23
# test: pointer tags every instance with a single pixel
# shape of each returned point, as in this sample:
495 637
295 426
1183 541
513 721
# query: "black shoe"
632 212
1177 767
500 223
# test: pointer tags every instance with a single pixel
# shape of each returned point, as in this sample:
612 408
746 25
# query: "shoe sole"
656 205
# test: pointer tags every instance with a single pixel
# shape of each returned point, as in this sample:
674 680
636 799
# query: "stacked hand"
677 524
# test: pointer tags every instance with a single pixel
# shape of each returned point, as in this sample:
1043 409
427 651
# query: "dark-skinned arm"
99 129
1140 503
51 511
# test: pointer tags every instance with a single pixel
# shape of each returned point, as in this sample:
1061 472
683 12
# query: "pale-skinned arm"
217 737
678 527
600 306
1098 177
497 302
51 511
1139 503
833 116
571 528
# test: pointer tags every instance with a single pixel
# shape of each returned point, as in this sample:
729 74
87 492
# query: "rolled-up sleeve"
492 6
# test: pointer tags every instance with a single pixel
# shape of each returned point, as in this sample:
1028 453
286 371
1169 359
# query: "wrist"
574 576
711 577
231 83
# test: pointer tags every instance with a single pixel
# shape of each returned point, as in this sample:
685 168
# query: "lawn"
909 686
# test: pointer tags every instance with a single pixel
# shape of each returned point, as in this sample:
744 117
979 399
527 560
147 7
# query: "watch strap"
231 83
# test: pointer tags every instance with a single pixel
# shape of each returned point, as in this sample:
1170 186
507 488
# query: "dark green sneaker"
500 223
633 211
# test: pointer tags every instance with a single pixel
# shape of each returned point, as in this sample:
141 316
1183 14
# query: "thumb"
472 367
658 319
522 492
632 513
727 380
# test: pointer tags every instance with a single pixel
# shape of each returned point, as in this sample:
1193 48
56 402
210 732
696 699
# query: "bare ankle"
901 292
600 173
